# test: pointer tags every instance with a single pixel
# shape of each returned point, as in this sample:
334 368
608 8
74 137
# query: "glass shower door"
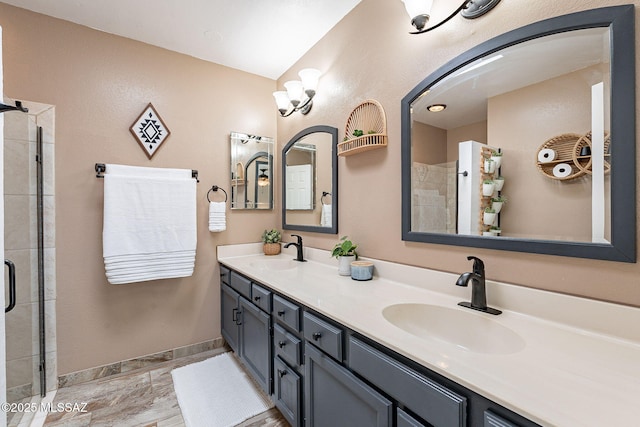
23 248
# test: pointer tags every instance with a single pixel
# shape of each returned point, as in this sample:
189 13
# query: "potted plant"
489 216
496 156
271 239
495 231
345 252
498 202
488 187
498 182
489 166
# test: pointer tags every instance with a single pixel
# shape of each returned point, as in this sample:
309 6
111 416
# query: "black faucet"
299 256
478 288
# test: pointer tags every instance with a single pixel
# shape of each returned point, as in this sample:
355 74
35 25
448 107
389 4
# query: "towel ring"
216 188
324 193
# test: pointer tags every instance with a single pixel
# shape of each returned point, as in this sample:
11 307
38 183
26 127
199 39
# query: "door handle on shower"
12 285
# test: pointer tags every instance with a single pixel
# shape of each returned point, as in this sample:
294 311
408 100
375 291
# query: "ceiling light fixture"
420 11
298 94
436 108
263 179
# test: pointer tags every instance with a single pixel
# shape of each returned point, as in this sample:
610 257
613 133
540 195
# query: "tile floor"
144 397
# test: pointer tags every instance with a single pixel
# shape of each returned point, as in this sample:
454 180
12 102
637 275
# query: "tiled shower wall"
21 242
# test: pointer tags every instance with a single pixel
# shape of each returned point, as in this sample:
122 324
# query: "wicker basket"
564 145
368 117
584 162
271 248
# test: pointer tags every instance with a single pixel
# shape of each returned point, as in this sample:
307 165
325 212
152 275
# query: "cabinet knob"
282 343
316 336
256 298
281 313
281 373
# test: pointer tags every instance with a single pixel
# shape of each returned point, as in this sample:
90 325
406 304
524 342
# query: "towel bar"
324 193
101 168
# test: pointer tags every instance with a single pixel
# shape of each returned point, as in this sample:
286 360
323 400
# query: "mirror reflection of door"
301 177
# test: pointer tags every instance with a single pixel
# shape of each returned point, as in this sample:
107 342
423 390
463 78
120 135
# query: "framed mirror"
310 181
542 117
251 171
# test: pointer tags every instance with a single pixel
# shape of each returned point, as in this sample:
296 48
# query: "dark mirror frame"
621 21
334 181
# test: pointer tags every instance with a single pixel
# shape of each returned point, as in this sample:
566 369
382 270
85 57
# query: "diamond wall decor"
149 130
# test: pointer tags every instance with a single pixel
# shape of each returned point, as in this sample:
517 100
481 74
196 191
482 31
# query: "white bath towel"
326 216
149 229
217 216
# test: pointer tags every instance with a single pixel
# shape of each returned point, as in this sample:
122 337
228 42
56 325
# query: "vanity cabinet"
320 373
246 327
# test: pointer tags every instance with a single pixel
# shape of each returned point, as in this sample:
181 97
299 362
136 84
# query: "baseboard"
136 363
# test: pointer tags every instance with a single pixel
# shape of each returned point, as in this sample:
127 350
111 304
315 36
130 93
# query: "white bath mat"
217 392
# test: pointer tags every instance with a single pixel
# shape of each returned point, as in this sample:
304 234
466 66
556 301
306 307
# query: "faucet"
299 256
478 288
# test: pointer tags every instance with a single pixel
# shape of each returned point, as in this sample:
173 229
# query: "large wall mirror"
251 171
527 142
310 181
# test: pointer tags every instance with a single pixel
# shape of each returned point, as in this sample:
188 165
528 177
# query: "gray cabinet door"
255 336
287 392
229 317
336 397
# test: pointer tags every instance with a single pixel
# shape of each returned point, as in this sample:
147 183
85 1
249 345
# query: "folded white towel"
326 216
149 229
217 216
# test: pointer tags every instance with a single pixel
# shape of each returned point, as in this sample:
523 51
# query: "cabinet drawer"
240 284
493 420
323 335
287 346
426 398
224 274
286 312
405 420
261 297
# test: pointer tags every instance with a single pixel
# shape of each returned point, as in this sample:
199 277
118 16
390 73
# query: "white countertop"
579 366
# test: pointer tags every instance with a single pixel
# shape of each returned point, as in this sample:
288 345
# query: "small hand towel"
326 216
217 216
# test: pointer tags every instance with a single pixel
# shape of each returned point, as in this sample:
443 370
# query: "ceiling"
263 37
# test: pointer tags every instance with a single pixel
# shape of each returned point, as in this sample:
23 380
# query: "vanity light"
298 94
436 108
419 11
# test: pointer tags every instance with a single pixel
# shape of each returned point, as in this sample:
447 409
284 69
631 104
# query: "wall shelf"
368 117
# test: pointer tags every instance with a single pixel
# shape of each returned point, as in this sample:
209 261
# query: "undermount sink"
275 264
467 330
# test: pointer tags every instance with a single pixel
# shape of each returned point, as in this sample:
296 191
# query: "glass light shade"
418 7
295 91
282 100
309 77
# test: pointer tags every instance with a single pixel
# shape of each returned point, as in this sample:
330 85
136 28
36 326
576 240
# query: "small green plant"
487 181
344 248
489 209
358 132
271 236
495 153
500 199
